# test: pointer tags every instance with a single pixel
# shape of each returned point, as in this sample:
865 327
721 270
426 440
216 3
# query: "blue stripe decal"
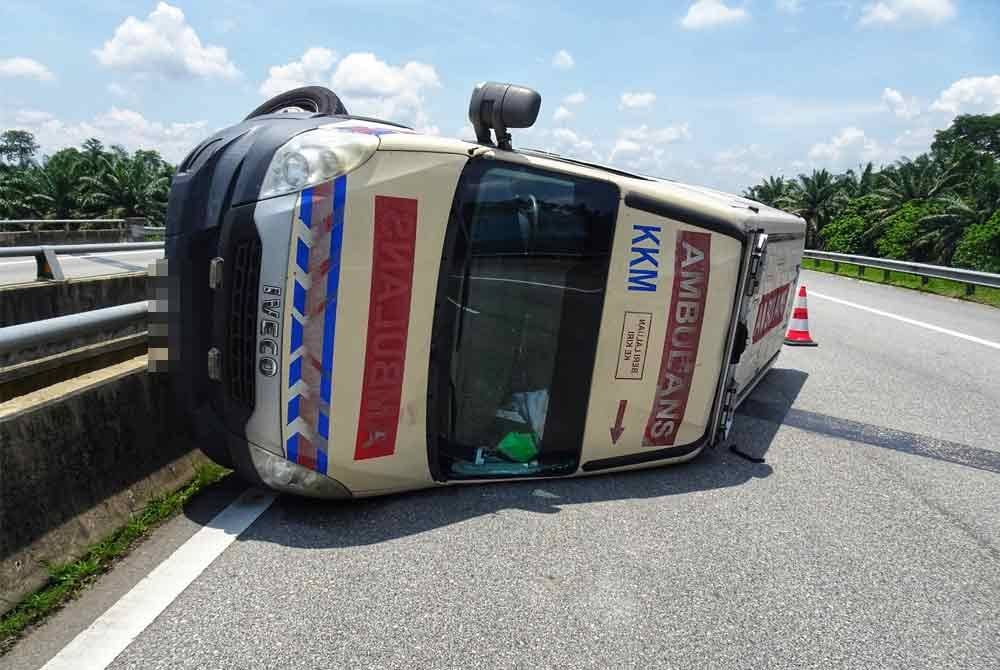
299 297
302 256
332 284
306 208
292 448
323 426
295 371
321 460
293 409
296 334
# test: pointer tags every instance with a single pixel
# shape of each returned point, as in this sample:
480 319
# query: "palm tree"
52 189
130 186
815 198
941 232
922 179
861 183
92 152
12 204
769 191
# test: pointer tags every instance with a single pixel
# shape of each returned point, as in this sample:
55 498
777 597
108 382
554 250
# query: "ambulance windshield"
524 289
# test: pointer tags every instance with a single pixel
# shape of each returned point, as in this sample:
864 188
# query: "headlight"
314 157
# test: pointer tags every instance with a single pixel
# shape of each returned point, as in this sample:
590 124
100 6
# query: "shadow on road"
306 523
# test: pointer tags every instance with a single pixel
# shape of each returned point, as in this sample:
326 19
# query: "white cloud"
643 146
26 68
562 114
667 135
313 68
711 13
624 147
900 105
913 11
638 100
569 142
119 91
971 94
565 141
563 60
165 45
367 85
577 98
116 126
370 86
775 111
789 6
850 145
739 160
914 141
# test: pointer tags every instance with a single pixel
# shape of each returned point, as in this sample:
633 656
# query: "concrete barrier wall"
21 303
76 459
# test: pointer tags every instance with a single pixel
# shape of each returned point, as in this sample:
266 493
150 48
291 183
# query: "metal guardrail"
65 222
24 335
47 256
970 278
134 227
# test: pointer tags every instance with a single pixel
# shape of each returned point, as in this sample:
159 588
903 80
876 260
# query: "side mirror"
502 106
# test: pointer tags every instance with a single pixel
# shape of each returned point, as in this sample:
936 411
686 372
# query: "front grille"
241 337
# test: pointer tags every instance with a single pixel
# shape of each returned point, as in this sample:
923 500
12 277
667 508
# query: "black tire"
315 99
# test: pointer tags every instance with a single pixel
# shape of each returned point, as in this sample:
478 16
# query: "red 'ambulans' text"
692 262
395 237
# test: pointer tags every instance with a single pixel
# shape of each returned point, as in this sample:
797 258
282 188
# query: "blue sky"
716 92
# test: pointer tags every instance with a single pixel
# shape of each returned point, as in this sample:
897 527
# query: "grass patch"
983 294
68 579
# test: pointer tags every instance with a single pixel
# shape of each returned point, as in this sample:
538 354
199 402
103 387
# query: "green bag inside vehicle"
518 447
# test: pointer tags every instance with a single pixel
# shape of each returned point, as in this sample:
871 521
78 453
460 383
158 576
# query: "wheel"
315 99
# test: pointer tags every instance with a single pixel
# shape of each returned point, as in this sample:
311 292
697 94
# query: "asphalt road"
869 537
20 270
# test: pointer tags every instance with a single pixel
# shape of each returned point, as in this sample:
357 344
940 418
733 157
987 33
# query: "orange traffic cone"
798 326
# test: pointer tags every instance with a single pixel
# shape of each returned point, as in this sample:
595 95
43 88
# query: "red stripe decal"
771 311
395 232
307 453
692 262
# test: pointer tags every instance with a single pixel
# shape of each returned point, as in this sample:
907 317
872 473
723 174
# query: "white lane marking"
912 322
99 644
93 255
534 283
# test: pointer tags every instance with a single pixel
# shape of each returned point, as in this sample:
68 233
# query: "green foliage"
816 198
846 233
901 231
18 147
770 191
979 247
90 182
940 207
980 132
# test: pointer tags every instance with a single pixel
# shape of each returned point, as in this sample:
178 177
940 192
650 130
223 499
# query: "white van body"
443 298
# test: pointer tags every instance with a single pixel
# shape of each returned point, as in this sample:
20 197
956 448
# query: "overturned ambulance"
354 308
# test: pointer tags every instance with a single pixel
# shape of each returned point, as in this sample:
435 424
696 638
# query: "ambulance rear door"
770 293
